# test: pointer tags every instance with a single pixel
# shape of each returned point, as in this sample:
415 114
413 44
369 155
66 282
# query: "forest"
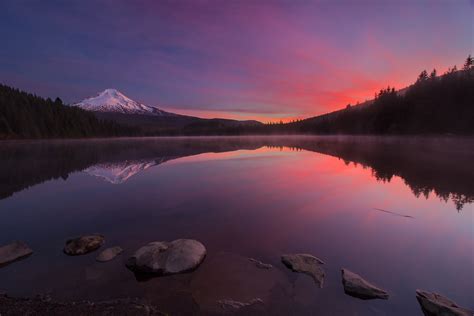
433 105
24 115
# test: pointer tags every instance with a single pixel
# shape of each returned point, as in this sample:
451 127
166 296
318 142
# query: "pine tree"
468 63
422 76
24 115
58 101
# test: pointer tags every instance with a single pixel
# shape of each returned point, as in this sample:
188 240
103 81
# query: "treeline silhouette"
24 115
436 105
433 105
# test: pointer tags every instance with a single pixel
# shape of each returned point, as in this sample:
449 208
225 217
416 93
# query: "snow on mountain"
117 173
111 100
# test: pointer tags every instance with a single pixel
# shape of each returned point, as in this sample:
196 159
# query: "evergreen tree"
441 106
24 115
422 76
58 101
468 63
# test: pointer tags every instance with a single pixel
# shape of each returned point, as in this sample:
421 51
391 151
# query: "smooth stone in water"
236 305
163 258
434 304
355 285
14 251
307 264
83 245
109 254
259 264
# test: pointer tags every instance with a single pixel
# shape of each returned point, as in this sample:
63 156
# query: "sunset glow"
268 61
236 157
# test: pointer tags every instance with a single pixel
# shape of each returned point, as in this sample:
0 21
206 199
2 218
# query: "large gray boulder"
163 258
109 254
83 245
355 285
434 304
307 264
14 251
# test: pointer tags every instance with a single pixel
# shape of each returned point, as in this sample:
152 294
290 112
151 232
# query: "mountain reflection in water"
120 172
439 165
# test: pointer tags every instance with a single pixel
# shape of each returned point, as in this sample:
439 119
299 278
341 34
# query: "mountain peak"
112 100
111 92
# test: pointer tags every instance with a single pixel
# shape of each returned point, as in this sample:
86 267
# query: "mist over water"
397 211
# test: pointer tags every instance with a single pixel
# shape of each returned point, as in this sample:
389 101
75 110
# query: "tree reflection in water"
439 165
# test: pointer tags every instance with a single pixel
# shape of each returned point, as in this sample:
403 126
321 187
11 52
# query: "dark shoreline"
45 305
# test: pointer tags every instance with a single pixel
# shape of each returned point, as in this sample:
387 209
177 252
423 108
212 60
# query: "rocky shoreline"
160 258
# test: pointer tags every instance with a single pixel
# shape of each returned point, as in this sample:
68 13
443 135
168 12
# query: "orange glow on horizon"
310 103
242 116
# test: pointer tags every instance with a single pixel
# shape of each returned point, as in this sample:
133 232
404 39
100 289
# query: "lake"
398 211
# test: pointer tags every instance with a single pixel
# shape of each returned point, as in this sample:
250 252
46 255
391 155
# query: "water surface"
398 211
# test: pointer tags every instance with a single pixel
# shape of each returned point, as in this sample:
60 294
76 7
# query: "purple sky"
238 59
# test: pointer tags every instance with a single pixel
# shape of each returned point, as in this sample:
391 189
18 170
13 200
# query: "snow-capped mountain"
111 100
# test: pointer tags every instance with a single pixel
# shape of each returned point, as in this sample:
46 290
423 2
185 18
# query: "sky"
242 59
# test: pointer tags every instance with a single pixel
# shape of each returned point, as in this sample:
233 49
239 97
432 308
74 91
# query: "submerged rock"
236 305
227 275
83 245
14 251
162 258
355 285
259 264
109 254
434 304
307 264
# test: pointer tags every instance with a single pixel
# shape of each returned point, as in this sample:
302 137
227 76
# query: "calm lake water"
397 211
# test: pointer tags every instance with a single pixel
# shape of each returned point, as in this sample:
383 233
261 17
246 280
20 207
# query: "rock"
236 305
109 254
355 285
83 245
227 275
307 264
260 264
163 258
14 251
434 304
